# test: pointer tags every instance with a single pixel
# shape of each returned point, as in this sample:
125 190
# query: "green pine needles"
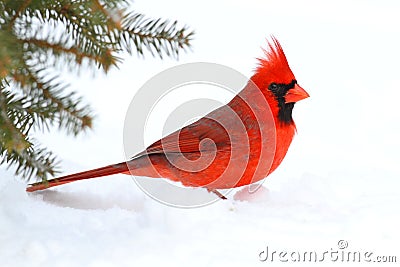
39 36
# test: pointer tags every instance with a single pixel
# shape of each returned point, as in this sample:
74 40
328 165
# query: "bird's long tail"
104 171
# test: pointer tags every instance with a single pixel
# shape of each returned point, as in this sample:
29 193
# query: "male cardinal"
237 144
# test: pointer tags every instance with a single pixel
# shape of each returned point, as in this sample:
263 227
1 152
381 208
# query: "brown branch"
59 48
21 8
110 18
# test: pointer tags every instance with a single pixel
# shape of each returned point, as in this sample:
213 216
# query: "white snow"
339 181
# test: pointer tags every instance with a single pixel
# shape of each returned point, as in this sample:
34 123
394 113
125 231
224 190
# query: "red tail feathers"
104 171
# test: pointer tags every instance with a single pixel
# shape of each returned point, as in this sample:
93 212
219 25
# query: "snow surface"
339 181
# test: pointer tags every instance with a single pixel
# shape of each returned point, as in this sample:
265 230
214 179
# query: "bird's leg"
215 191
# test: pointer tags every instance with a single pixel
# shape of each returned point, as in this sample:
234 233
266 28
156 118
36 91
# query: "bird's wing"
189 139
192 138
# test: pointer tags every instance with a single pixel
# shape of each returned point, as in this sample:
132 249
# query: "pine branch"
15 147
104 58
161 37
18 12
50 103
12 138
39 36
34 161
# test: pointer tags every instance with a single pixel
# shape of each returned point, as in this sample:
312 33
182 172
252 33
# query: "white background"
340 179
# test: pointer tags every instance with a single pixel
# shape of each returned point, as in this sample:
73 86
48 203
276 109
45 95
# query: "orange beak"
296 94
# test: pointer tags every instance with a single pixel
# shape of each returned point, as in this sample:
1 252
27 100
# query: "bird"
234 145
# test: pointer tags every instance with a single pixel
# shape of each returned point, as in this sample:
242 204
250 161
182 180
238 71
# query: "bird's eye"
273 86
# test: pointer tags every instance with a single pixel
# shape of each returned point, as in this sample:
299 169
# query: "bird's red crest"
274 67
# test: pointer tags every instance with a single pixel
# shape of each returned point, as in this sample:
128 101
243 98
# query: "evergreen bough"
40 37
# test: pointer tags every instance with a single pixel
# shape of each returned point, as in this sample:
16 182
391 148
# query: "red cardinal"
235 145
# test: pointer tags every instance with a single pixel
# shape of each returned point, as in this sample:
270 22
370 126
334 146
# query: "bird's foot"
221 196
